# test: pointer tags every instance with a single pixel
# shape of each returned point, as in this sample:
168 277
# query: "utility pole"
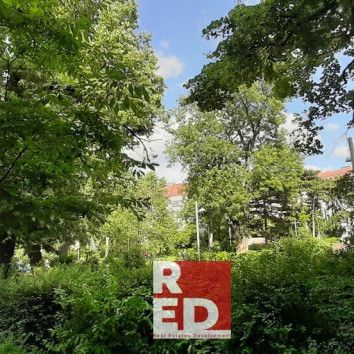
197 225
313 217
351 150
351 159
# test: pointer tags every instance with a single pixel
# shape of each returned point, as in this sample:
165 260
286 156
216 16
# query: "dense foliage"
240 167
81 223
294 297
153 232
74 99
305 48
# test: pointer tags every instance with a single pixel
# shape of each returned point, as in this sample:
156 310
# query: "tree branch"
141 140
11 167
344 72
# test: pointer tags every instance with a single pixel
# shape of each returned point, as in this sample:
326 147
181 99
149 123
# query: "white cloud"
332 126
156 148
172 175
290 125
341 152
169 66
313 167
159 141
165 45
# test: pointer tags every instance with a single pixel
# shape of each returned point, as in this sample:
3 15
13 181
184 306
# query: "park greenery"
82 218
294 44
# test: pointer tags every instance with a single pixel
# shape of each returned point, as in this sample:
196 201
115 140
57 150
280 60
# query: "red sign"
192 300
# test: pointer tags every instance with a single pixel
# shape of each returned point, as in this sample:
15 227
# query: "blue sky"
176 27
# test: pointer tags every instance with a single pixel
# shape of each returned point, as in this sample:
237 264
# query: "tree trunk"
211 240
7 250
313 217
265 216
230 236
34 253
64 249
106 252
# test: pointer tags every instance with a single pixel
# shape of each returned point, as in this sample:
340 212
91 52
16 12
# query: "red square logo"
192 300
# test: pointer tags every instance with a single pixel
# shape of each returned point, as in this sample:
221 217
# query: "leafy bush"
28 305
107 313
8 346
257 247
192 255
295 297
134 258
218 256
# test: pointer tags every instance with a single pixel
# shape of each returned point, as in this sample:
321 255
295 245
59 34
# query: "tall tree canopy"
250 118
239 166
305 48
74 99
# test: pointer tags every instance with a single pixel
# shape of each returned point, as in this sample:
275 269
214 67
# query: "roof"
336 173
175 190
178 189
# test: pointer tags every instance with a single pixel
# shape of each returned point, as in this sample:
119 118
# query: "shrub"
28 304
134 258
295 297
106 314
8 346
257 247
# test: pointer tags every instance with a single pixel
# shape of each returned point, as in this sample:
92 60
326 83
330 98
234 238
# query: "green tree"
74 99
203 140
153 231
276 186
251 118
229 171
295 45
343 191
316 191
224 194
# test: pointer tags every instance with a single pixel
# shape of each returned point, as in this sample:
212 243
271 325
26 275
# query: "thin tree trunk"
7 250
106 253
78 245
211 240
265 214
64 249
34 253
313 218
